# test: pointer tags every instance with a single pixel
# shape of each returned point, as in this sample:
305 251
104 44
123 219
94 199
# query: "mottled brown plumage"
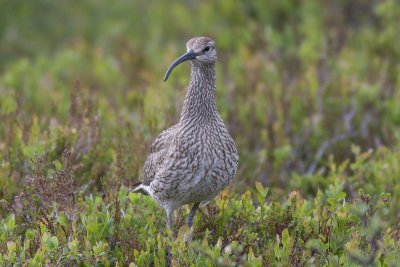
192 161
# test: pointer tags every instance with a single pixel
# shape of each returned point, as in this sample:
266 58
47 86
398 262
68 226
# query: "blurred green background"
299 84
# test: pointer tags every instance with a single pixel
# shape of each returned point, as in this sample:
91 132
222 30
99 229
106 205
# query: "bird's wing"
157 154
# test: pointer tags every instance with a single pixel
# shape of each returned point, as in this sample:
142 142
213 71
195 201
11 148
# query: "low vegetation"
309 91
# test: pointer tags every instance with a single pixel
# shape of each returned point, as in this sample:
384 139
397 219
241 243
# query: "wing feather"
157 154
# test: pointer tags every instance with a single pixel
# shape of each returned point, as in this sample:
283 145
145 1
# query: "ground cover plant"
310 91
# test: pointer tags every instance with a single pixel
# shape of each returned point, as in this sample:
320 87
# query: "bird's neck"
200 97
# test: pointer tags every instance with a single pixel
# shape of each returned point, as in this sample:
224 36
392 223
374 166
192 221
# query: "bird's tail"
139 188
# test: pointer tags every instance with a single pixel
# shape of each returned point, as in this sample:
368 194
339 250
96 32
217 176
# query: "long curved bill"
188 56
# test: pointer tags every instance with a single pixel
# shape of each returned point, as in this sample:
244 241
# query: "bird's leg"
189 219
170 218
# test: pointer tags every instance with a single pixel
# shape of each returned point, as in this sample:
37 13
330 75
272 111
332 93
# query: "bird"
195 159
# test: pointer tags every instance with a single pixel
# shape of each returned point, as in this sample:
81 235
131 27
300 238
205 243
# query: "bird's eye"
207 48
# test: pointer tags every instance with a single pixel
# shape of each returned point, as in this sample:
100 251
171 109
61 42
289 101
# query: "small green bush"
331 229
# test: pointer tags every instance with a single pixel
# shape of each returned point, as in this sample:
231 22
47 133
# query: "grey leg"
170 218
189 219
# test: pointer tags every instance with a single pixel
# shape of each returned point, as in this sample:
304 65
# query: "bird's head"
200 50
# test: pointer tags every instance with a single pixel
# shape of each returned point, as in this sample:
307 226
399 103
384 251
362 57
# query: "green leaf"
10 222
63 219
52 242
285 237
37 260
73 245
11 247
30 234
261 190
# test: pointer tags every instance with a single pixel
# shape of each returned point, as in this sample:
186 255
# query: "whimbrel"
195 159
